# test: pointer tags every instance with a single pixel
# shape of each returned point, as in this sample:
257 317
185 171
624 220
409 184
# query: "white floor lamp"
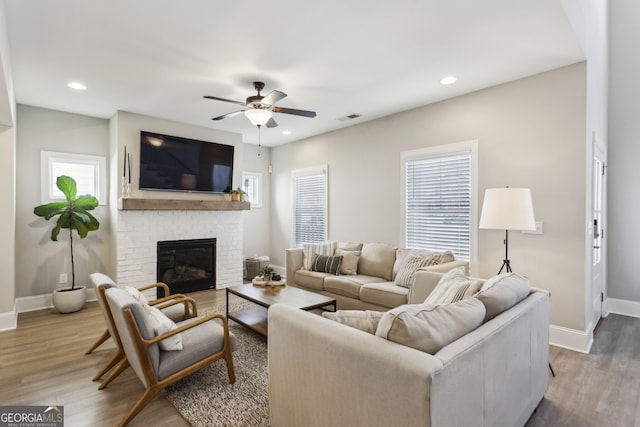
507 209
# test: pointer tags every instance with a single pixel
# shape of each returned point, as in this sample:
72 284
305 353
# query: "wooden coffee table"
255 318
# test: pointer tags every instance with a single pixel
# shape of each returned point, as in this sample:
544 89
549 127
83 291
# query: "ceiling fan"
261 108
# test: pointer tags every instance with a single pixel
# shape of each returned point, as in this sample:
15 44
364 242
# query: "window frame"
257 177
310 171
48 181
464 147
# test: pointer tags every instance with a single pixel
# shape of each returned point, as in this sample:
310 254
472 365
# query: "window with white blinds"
438 201
310 205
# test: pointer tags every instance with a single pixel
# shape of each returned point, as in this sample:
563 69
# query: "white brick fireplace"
138 232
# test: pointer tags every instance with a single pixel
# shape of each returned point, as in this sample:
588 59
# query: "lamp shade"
258 116
507 209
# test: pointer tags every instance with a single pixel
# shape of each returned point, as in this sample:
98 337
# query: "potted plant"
266 272
72 214
237 195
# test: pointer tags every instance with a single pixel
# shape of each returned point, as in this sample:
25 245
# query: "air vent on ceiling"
349 117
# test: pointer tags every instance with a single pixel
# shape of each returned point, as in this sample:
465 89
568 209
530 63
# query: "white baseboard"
571 339
9 319
623 307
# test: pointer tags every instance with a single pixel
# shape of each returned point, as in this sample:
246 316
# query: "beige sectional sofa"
373 287
325 373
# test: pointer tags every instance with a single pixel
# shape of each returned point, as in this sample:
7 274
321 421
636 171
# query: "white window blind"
310 206
438 203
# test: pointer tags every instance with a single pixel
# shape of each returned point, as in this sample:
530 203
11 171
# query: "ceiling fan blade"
215 98
293 111
271 123
224 116
273 97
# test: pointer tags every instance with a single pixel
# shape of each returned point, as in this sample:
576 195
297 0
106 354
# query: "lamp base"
506 264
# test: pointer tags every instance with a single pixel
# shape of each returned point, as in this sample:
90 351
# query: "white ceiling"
336 57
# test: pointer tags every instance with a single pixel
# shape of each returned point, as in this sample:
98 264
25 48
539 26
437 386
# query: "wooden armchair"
177 307
204 342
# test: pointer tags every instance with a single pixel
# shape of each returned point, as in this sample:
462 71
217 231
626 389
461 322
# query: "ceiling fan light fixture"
258 116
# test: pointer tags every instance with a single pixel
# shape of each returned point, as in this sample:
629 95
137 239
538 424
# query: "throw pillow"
161 324
349 265
326 248
137 295
427 327
440 258
407 272
366 320
326 264
453 286
506 292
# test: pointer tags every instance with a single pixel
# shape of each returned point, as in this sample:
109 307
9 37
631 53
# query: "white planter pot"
66 300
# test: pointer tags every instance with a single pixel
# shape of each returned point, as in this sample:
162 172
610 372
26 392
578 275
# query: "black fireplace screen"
187 265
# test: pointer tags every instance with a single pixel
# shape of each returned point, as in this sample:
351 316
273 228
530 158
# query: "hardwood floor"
43 363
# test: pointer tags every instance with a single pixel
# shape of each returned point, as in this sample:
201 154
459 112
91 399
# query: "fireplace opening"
186 265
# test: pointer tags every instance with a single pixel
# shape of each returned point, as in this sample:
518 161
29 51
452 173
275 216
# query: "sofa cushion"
348 286
440 258
349 264
407 272
326 264
427 327
349 246
453 286
161 324
377 260
324 248
386 294
505 292
366 320
310 279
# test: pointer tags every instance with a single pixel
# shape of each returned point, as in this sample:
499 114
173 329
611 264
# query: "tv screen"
173 163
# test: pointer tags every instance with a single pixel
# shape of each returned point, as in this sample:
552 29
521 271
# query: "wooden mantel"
181 205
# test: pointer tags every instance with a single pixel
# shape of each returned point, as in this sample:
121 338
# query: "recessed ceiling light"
286 132
448 80
76 86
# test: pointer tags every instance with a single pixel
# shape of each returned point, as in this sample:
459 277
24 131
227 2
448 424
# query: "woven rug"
207 399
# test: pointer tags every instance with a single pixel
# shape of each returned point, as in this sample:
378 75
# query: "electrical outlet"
63 278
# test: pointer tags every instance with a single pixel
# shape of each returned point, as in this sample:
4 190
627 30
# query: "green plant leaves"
71 214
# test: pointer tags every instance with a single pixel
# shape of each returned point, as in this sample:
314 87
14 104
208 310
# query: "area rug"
207 399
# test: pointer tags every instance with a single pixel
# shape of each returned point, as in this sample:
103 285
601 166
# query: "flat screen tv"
172 163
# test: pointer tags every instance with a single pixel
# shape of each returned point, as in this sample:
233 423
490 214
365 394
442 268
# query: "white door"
598 230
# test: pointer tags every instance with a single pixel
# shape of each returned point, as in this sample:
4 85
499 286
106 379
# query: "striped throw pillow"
325 248
407 272
452 287
326 264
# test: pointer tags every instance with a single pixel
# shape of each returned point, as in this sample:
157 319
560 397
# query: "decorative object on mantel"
126 182
237 195
72 215
133 204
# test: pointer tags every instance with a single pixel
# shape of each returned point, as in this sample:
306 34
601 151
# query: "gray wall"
530 133
256 223
624 151
39 261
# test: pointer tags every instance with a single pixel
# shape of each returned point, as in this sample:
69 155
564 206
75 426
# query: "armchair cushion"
136 294
198 342
161 324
